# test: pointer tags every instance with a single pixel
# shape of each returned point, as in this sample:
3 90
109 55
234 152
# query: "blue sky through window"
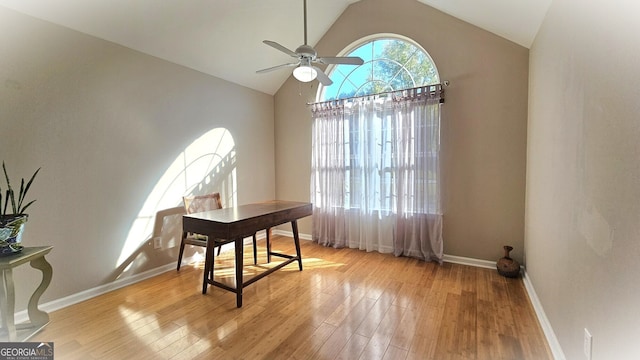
379 73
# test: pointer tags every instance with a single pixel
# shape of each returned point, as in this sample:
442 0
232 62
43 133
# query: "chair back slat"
200 203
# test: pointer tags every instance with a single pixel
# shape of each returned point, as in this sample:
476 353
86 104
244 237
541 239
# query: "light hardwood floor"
345 304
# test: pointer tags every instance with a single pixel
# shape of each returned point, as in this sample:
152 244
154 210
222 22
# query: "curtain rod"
443 84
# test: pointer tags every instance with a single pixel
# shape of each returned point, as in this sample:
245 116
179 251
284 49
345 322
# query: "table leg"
184 236
255 250
268 246
36 316
296 240
208 266
8 304
239 262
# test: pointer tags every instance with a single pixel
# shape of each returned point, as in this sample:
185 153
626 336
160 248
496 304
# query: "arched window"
375 180
390 63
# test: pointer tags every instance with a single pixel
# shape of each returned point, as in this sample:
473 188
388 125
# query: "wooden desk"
38 319
234 224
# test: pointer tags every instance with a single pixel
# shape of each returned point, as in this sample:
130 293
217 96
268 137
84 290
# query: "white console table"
37 318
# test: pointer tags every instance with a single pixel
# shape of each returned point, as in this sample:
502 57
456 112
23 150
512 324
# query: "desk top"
245 220
27 254
248 211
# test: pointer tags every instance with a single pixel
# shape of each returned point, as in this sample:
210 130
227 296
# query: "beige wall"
105 123
583 175
483 123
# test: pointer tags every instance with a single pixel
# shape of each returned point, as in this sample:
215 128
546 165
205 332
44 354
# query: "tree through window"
389 64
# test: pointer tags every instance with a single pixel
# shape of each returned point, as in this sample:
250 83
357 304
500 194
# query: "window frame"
356 45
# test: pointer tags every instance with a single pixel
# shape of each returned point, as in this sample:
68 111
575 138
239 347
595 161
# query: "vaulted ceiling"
223 38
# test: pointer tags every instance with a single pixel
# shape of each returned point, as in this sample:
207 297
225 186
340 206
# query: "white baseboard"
469 261
290 234
54 305
554 344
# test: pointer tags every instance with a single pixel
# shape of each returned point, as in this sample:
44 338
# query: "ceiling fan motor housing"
306 51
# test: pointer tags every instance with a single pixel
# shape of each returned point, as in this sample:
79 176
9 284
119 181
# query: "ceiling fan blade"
322 77
277 46
347 60
277 67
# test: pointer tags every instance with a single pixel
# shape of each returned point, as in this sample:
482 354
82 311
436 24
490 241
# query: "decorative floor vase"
506 265
11 229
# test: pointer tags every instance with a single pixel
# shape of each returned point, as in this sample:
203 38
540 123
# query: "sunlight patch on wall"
206 165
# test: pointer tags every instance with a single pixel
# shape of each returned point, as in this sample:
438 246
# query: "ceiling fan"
304 70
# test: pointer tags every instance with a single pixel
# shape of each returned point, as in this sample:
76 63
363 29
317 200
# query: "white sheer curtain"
375 173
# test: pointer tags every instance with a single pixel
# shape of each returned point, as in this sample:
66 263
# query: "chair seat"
192 240
201 240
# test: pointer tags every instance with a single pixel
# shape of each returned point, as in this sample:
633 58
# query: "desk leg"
239 263
296 240
8 304
268 246
255 250
38 317
208 266
184 236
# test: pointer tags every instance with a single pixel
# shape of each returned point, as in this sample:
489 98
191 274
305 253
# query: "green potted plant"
12 223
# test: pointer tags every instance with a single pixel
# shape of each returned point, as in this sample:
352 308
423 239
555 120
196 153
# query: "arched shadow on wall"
207 165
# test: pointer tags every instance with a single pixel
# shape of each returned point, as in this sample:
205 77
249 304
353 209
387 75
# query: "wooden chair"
200 203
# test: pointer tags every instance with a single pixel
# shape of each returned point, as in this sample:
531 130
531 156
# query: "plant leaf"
21 194
26 206
4 167
13 201
9 191
6 203
27 189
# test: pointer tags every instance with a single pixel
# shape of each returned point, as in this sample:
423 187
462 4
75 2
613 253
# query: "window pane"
403 80
389 64
364 51
361 74
347 90
366 89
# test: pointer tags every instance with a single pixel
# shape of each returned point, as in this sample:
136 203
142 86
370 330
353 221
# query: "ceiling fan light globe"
305 73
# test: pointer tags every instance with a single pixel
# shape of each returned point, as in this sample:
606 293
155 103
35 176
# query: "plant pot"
11 229
506 265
